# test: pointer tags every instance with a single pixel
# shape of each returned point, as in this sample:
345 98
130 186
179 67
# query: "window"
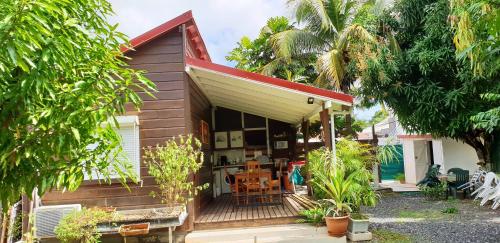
129 131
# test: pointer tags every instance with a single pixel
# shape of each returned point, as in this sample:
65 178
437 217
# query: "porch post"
332 129
305 133
326 128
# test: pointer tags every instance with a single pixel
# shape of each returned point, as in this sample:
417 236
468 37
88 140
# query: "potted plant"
338 187
401 178
172 166
358 158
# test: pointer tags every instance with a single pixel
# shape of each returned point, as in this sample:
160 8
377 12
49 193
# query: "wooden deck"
221 213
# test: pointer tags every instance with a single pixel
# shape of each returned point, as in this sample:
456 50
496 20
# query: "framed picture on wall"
236 138
204 132
281 145
221 140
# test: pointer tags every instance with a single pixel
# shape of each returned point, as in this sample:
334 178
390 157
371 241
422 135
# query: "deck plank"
223 210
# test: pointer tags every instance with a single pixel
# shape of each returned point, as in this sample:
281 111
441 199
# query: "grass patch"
424 214
450 210
387 236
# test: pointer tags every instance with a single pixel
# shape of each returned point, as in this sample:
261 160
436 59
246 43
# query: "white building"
421 151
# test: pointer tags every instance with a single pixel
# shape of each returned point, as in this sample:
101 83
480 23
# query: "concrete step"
293 233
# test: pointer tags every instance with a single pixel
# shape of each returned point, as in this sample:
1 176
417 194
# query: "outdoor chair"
495 197
475 181
252 165
253 186
431 177
490 181
274 187
462 177
230 180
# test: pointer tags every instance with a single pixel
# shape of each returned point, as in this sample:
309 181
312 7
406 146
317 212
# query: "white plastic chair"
490 181
495 197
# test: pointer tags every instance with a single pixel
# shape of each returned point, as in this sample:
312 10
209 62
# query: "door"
422 158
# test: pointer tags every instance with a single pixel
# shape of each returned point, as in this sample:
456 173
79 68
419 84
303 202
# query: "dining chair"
253 185
230 180
252 165
274 187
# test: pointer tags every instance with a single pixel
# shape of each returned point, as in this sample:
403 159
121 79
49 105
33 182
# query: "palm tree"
329 29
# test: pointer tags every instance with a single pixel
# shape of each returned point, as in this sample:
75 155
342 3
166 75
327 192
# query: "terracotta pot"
337 226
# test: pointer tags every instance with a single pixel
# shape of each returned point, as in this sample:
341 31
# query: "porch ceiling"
261 95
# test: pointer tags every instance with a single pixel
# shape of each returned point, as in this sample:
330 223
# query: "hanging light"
310 100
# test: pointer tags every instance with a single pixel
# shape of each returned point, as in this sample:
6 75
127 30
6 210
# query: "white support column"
267 139
438 155
332 130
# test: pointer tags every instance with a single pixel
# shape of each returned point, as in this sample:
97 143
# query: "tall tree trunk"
482 145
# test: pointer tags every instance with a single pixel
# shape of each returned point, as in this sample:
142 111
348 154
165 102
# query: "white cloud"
221 22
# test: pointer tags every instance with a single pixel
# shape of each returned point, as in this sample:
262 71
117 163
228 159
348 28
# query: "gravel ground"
424 221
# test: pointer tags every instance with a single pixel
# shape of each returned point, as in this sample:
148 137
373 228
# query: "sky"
222 23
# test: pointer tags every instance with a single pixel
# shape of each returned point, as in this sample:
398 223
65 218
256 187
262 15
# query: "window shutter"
129 132
130 145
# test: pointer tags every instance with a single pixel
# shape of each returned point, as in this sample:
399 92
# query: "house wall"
160 118
458 154
200 109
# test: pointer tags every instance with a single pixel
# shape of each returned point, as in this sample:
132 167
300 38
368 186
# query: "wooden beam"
325 118
305 133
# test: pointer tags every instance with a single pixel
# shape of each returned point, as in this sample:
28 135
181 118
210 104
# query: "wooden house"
237 114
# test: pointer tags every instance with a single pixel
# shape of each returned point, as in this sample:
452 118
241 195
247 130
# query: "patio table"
447 177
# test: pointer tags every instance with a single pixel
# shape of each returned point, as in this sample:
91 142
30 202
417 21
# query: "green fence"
390 169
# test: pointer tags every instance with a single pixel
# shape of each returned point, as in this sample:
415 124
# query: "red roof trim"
424 136
270 80
185 18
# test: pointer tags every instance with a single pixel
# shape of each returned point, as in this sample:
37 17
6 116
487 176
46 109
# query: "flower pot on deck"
358 225
337 226
134 229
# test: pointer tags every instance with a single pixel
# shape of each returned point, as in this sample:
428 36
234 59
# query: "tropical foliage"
172 165
327 33
352 158
81 226
477 31
428 89
258 55
62 75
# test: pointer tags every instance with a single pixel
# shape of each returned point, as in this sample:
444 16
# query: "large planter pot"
358 225
337 226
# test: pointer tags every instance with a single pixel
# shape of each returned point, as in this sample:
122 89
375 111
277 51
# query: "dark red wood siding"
160 119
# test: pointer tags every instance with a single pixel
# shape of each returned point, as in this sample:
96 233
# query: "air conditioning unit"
48 217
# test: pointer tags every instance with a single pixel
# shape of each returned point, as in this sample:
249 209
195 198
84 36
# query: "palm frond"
294 42
332 67
356 32
311 11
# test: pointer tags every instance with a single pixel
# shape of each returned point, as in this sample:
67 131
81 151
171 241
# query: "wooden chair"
252 165
230 180
253 185
274 187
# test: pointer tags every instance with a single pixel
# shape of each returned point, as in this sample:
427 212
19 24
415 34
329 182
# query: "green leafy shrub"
450 210
437 192
314 216
172 166
82 225
400 177
353 158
